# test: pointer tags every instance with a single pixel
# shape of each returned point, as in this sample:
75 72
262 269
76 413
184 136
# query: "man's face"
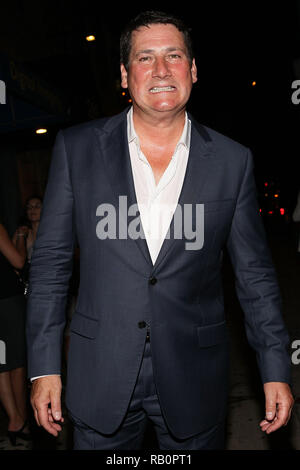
159 76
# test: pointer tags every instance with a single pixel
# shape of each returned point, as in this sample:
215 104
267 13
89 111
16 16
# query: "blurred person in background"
33 207
13 390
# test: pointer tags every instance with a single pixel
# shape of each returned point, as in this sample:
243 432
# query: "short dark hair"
147 18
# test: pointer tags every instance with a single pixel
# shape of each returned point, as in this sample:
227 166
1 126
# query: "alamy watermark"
296 354
296 94
2 352
2 92
124 222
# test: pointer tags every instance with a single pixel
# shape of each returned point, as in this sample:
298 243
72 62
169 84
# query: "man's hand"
279 403
45 391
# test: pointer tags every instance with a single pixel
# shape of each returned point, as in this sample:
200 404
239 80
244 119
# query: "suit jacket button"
152 281
142 324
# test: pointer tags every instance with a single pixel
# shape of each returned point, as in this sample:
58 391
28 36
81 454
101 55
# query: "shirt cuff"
40 376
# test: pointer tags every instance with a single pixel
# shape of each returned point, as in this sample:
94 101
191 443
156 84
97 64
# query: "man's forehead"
155 36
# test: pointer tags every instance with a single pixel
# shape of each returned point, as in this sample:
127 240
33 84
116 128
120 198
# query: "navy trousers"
144 405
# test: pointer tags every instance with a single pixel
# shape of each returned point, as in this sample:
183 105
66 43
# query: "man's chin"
161 108
166 107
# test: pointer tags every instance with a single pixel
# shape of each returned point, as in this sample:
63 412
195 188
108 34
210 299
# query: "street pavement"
246 400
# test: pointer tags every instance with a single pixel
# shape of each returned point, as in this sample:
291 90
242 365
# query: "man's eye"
144 59
174 56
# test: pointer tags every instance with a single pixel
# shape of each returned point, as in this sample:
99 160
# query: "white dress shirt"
156 202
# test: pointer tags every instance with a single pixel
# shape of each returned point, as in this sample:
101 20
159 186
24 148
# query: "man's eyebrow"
168 49
172 49
145 51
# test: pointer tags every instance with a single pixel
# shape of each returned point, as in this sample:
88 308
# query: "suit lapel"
114 148
199 165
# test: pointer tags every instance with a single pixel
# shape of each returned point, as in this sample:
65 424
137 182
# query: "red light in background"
282 211
270 212
266 184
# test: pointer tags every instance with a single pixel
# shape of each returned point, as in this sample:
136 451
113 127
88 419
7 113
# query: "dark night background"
235 44
55 78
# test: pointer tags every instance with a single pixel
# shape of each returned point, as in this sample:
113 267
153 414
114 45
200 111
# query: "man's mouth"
159 89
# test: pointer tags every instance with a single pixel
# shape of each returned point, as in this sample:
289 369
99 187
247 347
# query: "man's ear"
194 71
124 82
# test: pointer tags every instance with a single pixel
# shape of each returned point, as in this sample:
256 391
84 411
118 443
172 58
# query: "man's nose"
161 68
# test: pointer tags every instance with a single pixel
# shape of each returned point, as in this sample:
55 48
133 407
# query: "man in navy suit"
149 336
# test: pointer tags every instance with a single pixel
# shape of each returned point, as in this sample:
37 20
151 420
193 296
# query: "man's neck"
158 129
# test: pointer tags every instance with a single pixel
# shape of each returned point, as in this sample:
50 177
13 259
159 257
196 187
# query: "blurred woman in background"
33 209
13 390
32 217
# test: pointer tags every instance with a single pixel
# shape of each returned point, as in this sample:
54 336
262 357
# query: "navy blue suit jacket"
184 308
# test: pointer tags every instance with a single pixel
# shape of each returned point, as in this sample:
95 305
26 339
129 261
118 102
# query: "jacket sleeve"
51 268
256 284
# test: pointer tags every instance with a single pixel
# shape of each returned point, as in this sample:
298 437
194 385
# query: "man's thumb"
56 407
270 408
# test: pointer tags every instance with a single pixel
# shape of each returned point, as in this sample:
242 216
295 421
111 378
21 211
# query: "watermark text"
2 92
